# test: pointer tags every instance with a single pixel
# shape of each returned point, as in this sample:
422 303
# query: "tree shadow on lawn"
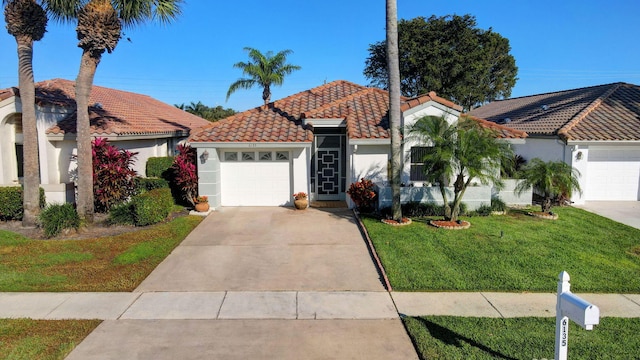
452 338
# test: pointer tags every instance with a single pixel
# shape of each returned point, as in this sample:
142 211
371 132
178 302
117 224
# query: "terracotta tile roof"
597 113
363 109
115 112
502 131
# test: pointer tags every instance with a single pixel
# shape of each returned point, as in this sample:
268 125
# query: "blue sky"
557 45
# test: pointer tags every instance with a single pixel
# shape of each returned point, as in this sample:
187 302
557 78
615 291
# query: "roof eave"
250 144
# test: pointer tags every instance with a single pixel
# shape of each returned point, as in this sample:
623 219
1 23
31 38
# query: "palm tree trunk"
31 199
393 63
84 82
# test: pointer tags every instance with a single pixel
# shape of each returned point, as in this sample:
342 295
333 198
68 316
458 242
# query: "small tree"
550 179
185 176
113 176
460 153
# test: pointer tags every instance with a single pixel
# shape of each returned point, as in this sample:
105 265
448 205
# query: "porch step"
328 204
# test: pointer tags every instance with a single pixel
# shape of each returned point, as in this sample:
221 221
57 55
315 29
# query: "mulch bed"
450 225
405 221
544 215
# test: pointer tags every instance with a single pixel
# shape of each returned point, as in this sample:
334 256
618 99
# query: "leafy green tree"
459 153
552 180
395 113
263 70
27 22
99 29
448 55
206 112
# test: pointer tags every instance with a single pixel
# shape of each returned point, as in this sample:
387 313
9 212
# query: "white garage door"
613 175
254 182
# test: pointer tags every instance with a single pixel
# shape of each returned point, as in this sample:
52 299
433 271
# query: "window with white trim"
256 156
417 162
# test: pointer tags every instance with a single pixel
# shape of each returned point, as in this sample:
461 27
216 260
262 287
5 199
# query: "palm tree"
462 153
263 70
99 29
550 179
27 22
393 63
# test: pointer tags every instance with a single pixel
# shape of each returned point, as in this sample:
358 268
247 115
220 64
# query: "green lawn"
600 255
115 263
41 339
447 337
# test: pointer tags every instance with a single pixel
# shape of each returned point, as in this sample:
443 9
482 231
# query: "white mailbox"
571 306
579 310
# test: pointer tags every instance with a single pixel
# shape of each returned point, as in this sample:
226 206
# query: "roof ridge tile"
564 130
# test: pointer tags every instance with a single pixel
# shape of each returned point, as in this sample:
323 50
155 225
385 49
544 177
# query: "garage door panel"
613 175
255 183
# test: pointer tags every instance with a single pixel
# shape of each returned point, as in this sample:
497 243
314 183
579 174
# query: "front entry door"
328 166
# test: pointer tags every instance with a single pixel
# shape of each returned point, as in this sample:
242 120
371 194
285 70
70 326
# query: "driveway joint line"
70 295
221 304
493 306
130 304
630 299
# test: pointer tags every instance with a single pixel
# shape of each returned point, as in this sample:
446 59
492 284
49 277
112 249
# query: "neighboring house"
594 129
129 121
318 141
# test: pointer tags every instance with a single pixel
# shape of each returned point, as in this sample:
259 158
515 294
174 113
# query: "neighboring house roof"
608 112
502 131
114 112
364 110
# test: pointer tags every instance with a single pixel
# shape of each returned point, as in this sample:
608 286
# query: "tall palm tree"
263 70
459 153
550 179
393 64
27 22
99 29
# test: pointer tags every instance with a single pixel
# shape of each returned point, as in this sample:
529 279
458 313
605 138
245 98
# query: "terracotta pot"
202 207
301 204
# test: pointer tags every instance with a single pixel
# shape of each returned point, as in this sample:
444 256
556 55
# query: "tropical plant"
395 115
363 194
99 29
185 176
448 55
263 70
27 22
114 180
206 112
551 180
460 153
300 195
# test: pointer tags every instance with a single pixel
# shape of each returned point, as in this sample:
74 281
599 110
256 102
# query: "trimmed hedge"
148 184
11 202
416 210
57 217
158 166
147 208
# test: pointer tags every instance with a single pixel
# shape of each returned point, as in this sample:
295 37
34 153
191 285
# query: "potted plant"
300 200
201 203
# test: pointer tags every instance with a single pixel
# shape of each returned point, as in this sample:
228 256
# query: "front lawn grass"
114 263
42 339
600 255
447 337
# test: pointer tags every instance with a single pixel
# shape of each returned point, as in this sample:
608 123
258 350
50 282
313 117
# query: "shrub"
158 166
152 207
11 198
57 217
363 195
148 184
497 204
483 210
113 177
416 210
185 177
122 214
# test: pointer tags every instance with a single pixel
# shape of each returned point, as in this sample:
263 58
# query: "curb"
372 251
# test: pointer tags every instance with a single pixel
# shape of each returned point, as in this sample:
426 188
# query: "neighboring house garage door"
613 175
255 178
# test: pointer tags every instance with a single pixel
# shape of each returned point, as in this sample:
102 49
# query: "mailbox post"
571 307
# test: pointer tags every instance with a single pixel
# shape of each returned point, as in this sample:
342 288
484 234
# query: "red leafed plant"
185 174
113 176
363 195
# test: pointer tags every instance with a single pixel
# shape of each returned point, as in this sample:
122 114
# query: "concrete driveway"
269 249
626 212
260 283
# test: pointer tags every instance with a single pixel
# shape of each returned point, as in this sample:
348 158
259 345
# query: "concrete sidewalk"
295 305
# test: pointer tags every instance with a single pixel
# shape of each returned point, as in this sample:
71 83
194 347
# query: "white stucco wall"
369 162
